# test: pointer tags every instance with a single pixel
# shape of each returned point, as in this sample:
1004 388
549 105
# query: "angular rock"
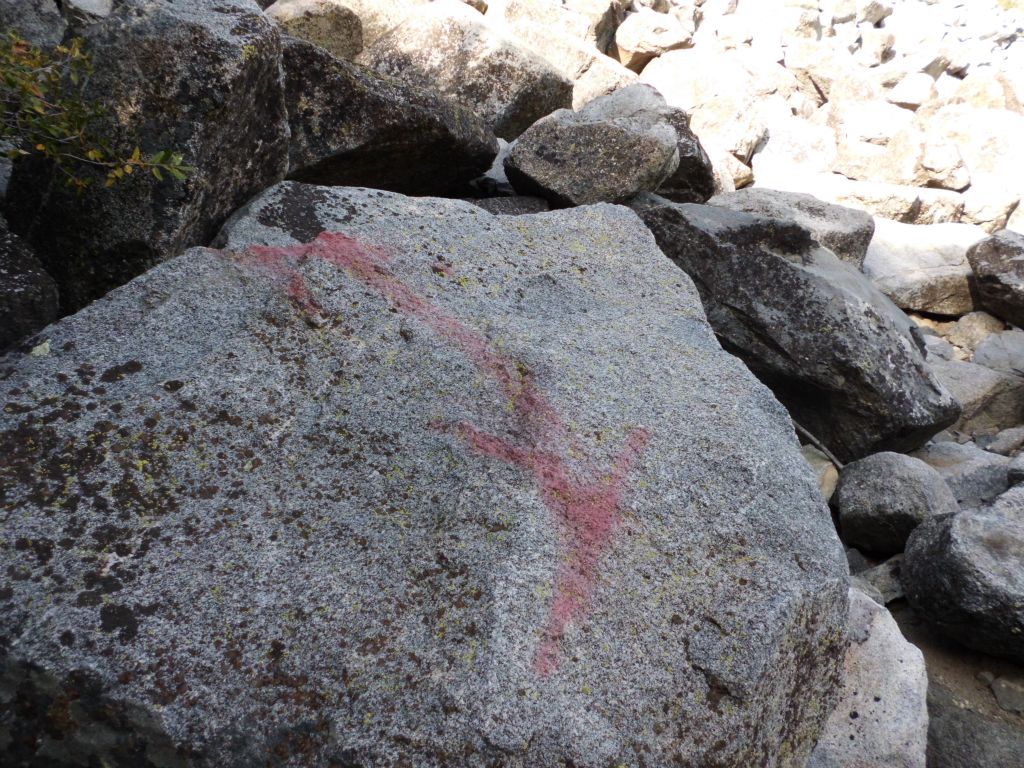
844 360
882 579
1008 442
998 264
200 79
990 401
331 24
972 474
824 470
882 715
419 492
959 735
923 268
844 231
611 149
28 296
964 575
883 497
449 48
352 127
971 330
645 35
1009 692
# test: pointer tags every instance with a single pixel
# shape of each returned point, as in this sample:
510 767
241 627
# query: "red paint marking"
587 503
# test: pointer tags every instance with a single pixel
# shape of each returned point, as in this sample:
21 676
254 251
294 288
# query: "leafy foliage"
44 113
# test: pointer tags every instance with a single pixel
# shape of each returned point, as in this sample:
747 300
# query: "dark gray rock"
190 76
608 151
998 264
28 296
440 489
843 359
845 231
972 474
516 205
883 497
352 127
964 575
451 49
960 736
882 580
37 21
1015 470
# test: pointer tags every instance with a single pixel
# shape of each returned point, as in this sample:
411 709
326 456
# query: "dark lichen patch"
121 619
118 372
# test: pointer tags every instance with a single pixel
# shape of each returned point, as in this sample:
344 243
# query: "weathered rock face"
350 126
449 48
883 497
437 488
990 400
613 148
841 357
998 264
844 231
1003 352
330 24
964 575
173 75
972 474
28 296
882 715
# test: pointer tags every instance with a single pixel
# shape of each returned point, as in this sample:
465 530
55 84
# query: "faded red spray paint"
587 503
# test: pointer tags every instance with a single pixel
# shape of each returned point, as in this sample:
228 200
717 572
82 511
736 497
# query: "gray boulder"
425 491
883 497
352 127
964 575
331 24
959 735
838 354
449 48
998 264
882 715
37 21
990 401
844 231
972 474
1003 352
28 296
608 151
204 80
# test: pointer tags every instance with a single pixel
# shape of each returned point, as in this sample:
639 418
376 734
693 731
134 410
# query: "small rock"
857 562
1006 443
331 24
884 578
645 35
985 677
613 148
883 497
824 470
1015 470
963 576
1009 692
972 474
912 91
998 265
990 401
28 295
973 328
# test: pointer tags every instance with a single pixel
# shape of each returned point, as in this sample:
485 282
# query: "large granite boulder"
350 126
846 363
998 264
28 295
882 498
964 575
203 80
393 481
450 48
882 715
844 231
608 151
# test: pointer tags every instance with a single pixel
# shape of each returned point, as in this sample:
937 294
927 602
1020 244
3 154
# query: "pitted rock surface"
393 481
